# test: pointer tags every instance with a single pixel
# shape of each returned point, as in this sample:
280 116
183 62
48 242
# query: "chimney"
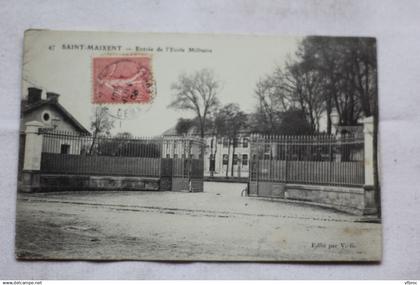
51 96
34 95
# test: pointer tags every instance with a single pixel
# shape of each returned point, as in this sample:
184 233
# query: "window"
175 155
245 143
212 166
225 159
168 155
235 142
235 159
46 117
244 159
225 142
65 149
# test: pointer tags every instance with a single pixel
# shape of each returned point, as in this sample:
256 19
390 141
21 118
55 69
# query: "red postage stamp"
122 79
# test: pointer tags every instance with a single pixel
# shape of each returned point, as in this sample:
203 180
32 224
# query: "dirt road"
218 224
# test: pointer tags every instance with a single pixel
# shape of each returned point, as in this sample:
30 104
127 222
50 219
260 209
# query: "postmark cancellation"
122 79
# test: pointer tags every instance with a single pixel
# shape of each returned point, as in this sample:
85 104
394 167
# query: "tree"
196 92
272 101
297 87
113 146
126 145
349 70
305 87
326 74
294 123
183 126
288 99
101 124
228 123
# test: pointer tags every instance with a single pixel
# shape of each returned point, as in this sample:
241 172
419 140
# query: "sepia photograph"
198 147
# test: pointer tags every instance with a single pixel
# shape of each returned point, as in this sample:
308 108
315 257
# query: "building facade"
49 112
226 158
52 116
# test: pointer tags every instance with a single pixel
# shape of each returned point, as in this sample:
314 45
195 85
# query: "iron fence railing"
70 153
320 159
123 145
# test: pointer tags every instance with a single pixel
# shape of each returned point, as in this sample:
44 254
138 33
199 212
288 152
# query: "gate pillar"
370 189
197 175
166 174
32 157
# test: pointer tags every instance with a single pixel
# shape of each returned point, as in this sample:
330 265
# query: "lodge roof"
27 108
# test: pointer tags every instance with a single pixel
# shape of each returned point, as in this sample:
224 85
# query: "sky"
238 62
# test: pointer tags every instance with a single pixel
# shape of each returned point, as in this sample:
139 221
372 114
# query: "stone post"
32 157
371 206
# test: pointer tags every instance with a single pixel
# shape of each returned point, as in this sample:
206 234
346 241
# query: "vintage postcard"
188 147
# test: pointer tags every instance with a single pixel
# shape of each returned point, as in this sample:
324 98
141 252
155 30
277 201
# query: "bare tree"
349 69
101 124
296 89
196 92
327 74
228 123
272 101
306 90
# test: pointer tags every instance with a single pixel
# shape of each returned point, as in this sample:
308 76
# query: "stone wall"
61 182
197 185
165 183
347 199
180 184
